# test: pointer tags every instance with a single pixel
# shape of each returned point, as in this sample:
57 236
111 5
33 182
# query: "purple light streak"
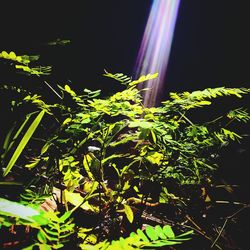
155 47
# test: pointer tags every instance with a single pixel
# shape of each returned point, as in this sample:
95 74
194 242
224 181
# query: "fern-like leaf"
125 80
200 98
155 237
120 77
239 114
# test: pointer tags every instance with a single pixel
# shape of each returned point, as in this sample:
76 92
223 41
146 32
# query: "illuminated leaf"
168 231
41 237
33 163
155 157
67 120
24 141
129 213
143 79
153 136
140 124
151 233
5 54
87 161
12 55
159 231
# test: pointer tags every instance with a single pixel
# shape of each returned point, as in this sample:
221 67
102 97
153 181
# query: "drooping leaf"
129 213
24 141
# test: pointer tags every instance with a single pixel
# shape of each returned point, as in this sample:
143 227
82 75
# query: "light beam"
155 47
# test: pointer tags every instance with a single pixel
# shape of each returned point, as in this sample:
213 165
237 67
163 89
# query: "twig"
53 89
225 223
200 230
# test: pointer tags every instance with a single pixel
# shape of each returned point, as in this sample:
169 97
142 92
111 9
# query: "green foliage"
239 114
104 155
151 237
127 81
32 198
52 230
22 63
57 231
24 59
59 41
200 98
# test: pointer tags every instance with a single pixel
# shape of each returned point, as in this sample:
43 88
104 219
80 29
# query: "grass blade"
23 142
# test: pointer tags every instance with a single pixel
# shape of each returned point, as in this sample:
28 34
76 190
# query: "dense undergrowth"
104 172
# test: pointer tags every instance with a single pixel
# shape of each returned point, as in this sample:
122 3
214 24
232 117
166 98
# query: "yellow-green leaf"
41 237
155 157
153 136
168 231
129 213
151 233
5 54
12 55
87 161
67 120
32 128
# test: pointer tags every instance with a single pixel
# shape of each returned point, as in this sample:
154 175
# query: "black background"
210 46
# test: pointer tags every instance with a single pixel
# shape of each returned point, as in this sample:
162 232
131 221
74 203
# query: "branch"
225 223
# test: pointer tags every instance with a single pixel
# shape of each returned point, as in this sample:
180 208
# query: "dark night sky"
210 46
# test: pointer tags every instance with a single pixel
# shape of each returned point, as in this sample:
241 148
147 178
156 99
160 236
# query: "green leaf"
24 141
129 213
118 77
168 231
141 124
58 246
33 163
185 234
155 157
151 233
65 216
44 247
204 103
41 237
12 55
74 198
4 54
153 136
143 79
159 231
87 163
8 143
164 243
142 235
40 219
8 139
